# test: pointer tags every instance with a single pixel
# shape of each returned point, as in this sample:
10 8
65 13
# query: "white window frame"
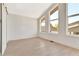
54 9
40 23
67 32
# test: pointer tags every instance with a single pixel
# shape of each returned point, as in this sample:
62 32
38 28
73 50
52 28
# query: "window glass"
73 19
54 21
42 24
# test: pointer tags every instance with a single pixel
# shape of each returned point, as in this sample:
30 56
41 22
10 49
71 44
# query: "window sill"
54 32
72 35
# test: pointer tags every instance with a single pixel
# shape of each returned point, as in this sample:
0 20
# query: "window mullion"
62 19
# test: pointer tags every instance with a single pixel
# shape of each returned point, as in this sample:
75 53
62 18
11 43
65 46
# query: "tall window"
42 24
54 20
73 19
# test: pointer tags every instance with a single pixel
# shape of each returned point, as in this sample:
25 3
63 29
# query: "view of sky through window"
73 8
52 17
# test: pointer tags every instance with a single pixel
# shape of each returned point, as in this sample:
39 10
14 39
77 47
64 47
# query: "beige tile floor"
38 47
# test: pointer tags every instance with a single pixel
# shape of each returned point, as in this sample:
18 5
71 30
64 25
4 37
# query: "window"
42 24
54 20
73 19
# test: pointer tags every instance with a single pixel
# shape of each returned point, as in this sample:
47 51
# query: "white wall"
61 37
3 29
20 27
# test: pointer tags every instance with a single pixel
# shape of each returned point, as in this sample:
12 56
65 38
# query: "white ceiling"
33 10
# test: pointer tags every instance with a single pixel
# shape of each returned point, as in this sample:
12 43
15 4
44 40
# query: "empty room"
40 29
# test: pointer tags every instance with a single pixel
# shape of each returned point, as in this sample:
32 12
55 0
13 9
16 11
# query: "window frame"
40 22
70 16
53 10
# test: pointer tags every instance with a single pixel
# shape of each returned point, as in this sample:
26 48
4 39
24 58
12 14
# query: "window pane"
73 19
54 22
42 25
73 8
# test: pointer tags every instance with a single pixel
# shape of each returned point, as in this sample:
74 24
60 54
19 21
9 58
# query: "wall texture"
20 27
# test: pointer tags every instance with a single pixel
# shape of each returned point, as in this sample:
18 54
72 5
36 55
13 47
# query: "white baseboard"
22 37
